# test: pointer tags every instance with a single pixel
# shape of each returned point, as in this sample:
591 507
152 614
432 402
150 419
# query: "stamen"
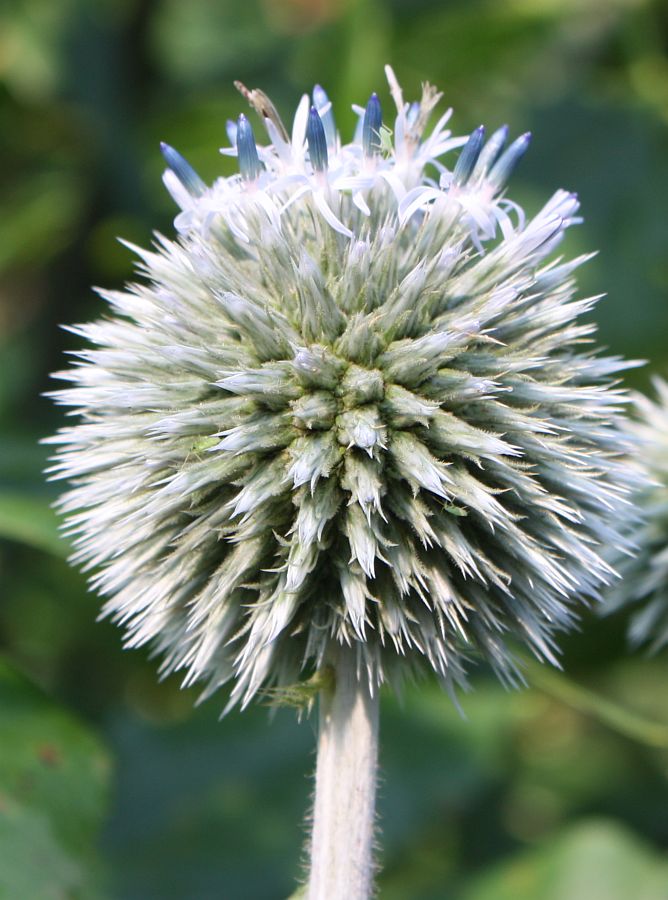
183 170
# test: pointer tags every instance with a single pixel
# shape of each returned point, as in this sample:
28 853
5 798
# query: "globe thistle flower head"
353 403
644 583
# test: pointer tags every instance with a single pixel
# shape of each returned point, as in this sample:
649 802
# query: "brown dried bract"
263 106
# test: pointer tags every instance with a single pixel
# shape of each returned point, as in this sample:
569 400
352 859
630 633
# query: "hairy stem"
345 787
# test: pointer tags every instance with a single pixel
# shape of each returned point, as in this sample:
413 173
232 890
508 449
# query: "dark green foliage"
527 792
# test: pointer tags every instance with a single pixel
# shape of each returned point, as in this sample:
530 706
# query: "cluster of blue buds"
341 178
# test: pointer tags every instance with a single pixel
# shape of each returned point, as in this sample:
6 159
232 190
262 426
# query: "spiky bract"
644 583
330 414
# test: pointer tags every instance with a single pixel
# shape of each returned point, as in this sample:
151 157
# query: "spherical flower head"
354 403
644 583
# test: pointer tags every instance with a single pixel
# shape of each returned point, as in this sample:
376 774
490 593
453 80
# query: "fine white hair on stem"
355 403
341 846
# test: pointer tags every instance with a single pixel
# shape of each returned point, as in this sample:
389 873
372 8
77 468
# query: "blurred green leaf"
32 862
39 218
208 808
625 721
187 39
30 520
594 860
54 776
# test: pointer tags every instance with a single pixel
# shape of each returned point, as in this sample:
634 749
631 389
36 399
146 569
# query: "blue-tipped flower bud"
183 170
373 119
503 168
249 162
490 152
324 107
317 142
469 156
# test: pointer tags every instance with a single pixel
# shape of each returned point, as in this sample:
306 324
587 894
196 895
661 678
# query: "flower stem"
588 702
345 787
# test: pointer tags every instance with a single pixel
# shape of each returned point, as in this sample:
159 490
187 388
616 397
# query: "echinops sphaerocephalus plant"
350 420
643 588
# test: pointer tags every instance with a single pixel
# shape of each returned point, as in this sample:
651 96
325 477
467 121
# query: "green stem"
624 721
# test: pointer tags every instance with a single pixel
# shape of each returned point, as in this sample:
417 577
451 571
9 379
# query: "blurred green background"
111 785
